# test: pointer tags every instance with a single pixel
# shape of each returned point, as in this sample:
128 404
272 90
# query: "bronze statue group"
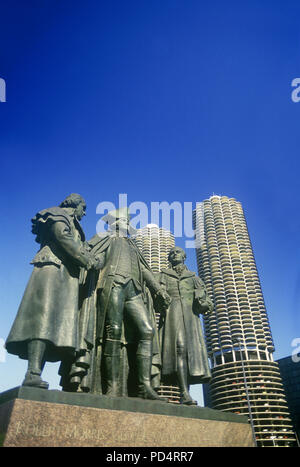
94 306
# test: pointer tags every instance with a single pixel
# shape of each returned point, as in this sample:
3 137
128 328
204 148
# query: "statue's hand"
207 312
203 306
93 262
164 298
97 263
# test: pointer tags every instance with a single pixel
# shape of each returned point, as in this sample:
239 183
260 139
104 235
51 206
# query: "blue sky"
168 100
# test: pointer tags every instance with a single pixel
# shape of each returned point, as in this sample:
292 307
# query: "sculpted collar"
185 273
179 269
54 214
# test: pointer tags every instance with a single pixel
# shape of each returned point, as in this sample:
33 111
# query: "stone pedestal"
38 417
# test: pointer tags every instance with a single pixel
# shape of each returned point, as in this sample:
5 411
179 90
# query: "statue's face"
80 210
176 256
122 225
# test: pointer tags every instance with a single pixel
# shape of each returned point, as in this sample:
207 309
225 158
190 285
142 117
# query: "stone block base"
37 417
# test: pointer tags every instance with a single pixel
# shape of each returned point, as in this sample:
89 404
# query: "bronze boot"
182 371
144 364
34 380
36 352
112 355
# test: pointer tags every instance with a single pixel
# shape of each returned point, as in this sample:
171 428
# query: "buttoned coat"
185 291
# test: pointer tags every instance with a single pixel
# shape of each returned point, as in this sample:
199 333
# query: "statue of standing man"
183 348
46 326
122 300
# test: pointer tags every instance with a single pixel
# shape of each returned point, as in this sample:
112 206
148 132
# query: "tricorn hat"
121 213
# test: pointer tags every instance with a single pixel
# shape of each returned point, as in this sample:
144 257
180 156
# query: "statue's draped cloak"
182 312
49 307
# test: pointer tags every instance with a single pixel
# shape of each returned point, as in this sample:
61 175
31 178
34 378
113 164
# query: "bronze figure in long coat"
183 347
46 325
123 314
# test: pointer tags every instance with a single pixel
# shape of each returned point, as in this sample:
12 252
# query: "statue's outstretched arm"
62 234
155 287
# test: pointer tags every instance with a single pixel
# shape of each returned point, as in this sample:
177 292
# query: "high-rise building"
155 243
245 378
290 373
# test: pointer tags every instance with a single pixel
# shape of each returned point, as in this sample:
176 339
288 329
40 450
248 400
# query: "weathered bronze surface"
182 343
92 305
120 351
45 328
35 417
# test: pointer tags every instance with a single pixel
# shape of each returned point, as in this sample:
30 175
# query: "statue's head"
176 256
119 221
76 202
